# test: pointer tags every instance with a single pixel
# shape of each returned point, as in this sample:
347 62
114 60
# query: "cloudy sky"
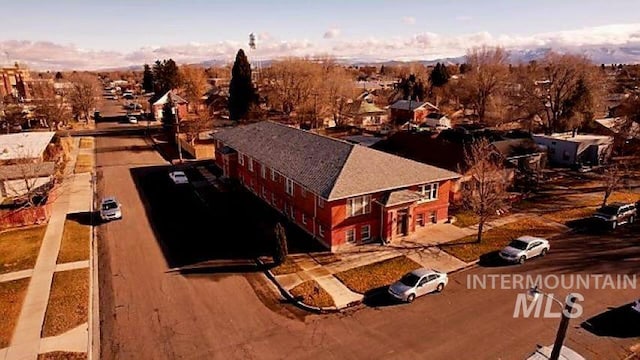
88 34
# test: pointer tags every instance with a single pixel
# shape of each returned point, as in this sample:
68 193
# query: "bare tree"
613 179
83 95
485 79
194 84
51 106
562 89
485 192
193 127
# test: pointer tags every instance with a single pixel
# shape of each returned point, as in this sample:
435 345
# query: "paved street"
150 312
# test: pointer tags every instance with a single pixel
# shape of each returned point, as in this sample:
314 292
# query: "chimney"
574 133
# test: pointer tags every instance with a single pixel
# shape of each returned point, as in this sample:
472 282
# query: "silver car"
110 209
417 283
523 248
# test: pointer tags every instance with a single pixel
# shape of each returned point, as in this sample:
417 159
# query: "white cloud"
332 33
424 45
409 20
463 18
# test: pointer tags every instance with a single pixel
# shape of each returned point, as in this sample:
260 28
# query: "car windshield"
608 210
410 279
109 205
518 244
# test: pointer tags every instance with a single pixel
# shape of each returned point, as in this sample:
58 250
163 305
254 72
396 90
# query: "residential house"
403 111
158 102
338 192
448 149
23 169
365 114
567 149
436 120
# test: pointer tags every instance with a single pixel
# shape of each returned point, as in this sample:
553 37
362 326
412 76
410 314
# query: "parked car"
523 248
110 209
616 214
417 283
132 119
636 306
179 177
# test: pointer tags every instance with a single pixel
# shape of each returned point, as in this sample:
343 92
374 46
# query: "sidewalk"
421 247
75 195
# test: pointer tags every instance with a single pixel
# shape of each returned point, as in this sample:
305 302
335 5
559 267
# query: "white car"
110 209
417 283
132 120
544 353
179 177
523 248
636 306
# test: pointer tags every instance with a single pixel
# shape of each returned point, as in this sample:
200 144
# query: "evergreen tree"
241 91
439 75
59 75
166 76
464 68
147 79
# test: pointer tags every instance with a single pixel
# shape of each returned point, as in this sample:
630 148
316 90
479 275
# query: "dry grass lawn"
564 216
68 302
379 274
62 355
311 293
11 297
84 164
467 249
465 218
86 143
287 267
19 248
75 242
586 206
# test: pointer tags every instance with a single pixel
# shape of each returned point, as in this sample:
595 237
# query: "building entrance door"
402 222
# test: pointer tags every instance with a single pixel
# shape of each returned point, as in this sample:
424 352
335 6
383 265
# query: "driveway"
148 311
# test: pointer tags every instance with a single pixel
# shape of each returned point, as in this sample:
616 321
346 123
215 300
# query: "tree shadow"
620 322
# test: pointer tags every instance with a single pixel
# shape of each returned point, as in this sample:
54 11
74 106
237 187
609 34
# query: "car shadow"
492 259
379 297
620 322
85 217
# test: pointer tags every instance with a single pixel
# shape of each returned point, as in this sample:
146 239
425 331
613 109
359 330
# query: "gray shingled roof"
402 197
331 168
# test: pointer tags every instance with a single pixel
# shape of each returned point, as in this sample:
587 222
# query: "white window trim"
365 205
288 182
304 219
241 159
250 164
351 231
368 227
263 171
320 201
429 192
320 231
273 175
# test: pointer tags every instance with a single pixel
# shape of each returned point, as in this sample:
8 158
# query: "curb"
290 297
94 289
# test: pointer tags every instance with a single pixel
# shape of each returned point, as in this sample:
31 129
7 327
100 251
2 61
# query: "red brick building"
338 192
402 111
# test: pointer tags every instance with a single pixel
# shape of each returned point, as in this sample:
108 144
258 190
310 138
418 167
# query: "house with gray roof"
341 193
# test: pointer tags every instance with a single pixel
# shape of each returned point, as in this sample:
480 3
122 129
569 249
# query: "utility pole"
176 112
